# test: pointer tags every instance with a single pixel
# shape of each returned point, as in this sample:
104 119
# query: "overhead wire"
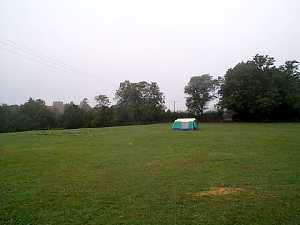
26 48
30 58
32 55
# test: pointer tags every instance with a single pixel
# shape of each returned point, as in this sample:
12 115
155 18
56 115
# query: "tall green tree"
258 90
9 118
73 116
102 101
139 102
34 114
84 104
102 113
200 90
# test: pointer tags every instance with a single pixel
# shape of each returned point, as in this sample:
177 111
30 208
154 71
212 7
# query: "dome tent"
185 124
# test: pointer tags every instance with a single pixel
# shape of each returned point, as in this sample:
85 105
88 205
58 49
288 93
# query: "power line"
30 51
26 48
32 56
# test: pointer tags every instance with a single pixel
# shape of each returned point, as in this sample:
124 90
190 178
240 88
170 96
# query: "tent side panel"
176 125
191 125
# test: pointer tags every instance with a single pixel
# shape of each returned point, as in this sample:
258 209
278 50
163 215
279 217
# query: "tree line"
136 103
255 90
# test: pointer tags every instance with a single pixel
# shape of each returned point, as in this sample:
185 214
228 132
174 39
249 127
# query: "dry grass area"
216 191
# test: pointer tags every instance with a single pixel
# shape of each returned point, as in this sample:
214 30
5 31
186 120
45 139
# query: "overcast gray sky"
68 50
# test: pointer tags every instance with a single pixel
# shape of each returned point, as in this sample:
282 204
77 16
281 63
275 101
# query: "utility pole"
174 106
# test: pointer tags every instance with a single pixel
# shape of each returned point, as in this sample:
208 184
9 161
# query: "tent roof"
185 120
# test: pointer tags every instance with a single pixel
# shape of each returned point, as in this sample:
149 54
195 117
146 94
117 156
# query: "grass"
221 174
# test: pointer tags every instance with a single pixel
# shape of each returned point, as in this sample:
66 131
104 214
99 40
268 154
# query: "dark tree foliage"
102 101
258 90
252 90
102 117
34 115
200 90
84 105
139 102
136 103
73 116
9 118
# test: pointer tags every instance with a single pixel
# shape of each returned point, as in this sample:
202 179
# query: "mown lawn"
221 174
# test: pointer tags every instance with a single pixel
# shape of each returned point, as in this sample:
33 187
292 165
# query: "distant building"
58 106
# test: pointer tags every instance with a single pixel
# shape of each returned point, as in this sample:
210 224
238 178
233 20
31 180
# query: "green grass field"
221 174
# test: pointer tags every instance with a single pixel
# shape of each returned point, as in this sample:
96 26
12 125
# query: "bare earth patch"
136 215
216 191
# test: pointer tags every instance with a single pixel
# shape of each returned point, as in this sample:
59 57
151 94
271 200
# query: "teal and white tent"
185 124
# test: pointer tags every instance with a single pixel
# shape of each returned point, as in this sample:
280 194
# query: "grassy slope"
151 175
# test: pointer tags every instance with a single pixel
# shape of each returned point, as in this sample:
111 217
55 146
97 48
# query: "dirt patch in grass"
216 191
249 168
136 215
